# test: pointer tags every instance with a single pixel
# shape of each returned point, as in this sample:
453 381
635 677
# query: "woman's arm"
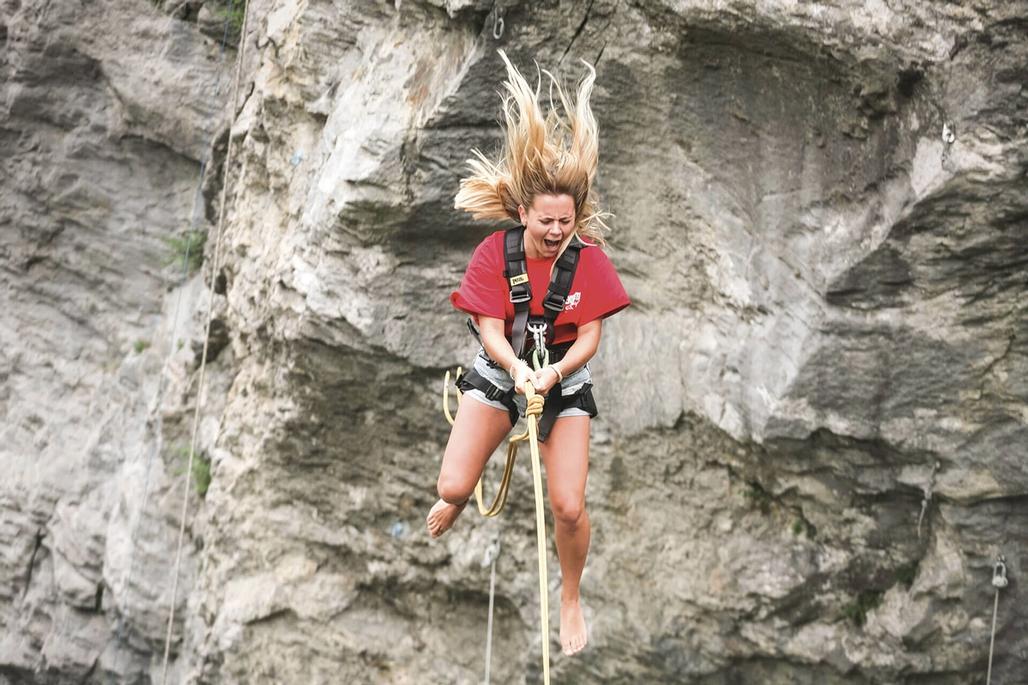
495 342
499 350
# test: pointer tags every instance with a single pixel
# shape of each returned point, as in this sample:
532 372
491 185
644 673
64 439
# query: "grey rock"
813 419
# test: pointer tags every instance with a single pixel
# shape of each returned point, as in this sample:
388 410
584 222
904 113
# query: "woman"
543 180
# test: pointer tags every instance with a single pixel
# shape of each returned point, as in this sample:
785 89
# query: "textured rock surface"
105 111
819 446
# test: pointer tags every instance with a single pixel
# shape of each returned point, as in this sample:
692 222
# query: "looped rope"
535 408
535 405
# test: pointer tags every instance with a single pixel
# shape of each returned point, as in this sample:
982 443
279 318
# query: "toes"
432 525
436 521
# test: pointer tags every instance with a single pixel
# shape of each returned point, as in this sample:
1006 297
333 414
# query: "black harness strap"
560 287
555 402
516 272
473 379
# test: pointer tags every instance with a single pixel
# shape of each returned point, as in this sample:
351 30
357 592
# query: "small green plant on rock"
187 248
864 602
201 474
140 345
232 11
801 526
907 573
758 497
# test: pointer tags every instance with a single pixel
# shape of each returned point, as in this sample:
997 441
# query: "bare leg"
566 453
477 430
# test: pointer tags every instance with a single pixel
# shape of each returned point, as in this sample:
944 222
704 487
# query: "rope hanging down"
206 342
492 552
158 395
532 414
533 411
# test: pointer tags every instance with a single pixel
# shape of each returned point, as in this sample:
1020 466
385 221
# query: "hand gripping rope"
532 413
539 360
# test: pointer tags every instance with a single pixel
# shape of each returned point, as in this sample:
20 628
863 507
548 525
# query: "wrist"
515 365
556 370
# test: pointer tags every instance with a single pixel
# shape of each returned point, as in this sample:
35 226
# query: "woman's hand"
544 379
522 373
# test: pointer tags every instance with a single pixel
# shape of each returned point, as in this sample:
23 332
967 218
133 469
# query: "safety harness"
538 329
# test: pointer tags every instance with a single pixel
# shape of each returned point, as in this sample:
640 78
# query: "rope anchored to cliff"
999 581
206 343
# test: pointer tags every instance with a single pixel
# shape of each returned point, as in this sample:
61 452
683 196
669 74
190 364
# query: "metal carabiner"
497 23
999 573
541 355
492 552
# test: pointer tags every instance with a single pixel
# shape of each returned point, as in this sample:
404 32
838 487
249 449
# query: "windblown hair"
549 155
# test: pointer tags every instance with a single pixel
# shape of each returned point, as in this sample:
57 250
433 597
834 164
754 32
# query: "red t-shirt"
596 291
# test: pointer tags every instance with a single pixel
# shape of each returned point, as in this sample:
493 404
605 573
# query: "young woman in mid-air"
543 180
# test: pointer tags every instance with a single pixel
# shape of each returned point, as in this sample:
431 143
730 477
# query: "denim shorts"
500 378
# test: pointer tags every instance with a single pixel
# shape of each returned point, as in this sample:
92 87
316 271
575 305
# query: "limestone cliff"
814 419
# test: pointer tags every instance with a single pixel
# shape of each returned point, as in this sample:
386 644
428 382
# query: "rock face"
814 419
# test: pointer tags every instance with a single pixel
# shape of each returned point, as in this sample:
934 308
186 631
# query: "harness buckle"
553 302
520 295
494 393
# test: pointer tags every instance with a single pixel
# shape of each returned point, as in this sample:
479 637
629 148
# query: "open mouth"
553 244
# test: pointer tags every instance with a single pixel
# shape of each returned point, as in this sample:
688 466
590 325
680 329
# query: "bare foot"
572 627
441 517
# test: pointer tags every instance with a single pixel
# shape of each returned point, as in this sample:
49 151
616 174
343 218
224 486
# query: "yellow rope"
508 468
532 413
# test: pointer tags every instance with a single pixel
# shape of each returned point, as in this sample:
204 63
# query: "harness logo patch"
572 301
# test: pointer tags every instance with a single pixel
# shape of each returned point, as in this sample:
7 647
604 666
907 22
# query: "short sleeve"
603 294
483 289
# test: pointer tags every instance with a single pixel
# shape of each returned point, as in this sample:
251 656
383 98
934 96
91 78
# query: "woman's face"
549 220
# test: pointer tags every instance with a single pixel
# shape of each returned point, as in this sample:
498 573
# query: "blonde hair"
541 155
